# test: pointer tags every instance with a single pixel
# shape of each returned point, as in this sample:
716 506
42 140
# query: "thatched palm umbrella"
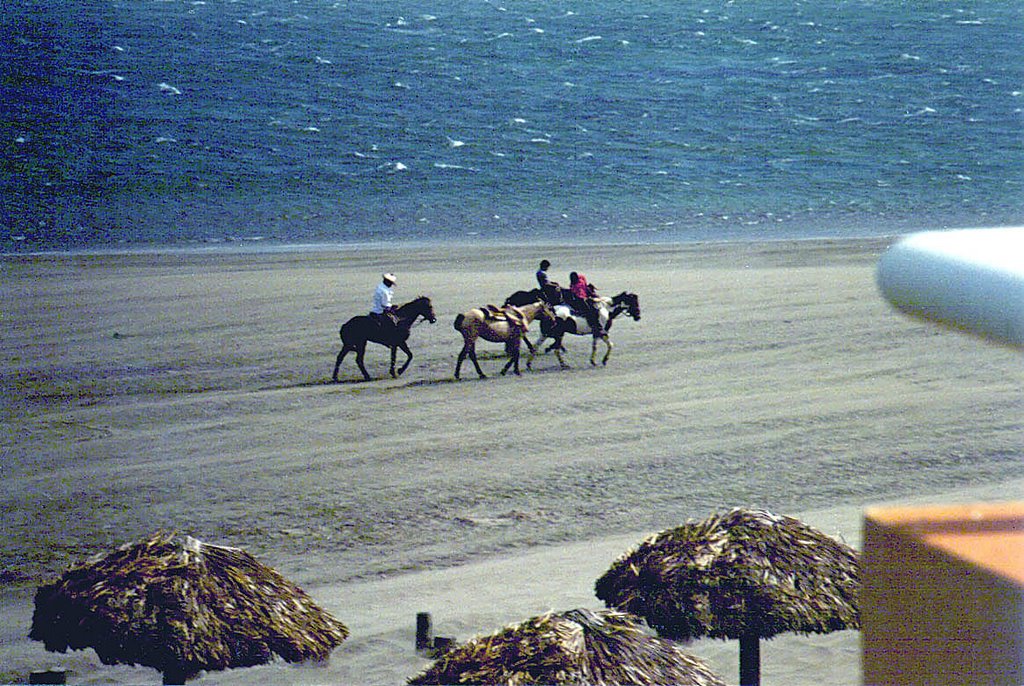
596 648
746 575
182 607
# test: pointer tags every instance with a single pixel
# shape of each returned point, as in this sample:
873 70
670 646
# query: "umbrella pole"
174 676
750 660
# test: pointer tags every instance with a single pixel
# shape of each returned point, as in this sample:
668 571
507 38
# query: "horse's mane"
413 301
624 296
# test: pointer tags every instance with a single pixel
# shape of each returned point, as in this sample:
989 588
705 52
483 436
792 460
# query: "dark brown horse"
552 293
358 331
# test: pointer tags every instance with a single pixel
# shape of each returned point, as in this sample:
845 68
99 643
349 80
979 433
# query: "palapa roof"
182 606
747 572
596 648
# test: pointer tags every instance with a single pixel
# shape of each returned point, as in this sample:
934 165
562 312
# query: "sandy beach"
191 391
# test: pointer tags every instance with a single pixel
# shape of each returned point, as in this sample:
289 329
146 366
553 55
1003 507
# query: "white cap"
388 276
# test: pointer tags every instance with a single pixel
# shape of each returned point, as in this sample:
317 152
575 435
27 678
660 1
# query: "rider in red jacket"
583 294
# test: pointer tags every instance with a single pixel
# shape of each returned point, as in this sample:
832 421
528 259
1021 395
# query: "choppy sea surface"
177 122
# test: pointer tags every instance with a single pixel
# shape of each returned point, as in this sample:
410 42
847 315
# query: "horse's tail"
458 321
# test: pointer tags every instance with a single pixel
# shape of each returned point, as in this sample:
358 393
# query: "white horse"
567 322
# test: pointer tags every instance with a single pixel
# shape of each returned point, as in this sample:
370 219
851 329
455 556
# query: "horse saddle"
384 320
509 313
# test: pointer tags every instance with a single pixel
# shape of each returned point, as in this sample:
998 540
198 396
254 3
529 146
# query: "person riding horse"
583 295
382 311
550 290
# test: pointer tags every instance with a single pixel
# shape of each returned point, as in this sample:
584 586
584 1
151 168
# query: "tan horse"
509 327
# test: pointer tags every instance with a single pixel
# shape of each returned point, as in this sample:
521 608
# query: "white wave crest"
454 167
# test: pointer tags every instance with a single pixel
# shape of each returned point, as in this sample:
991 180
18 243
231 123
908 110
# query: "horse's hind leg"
360 354
468 350
593 350
337 364
458 364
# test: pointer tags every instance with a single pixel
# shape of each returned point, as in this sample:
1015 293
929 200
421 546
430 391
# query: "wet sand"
191 391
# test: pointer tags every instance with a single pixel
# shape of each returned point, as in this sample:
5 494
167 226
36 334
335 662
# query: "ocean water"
168 122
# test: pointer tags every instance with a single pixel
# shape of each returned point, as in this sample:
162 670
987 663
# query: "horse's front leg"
593 349
513 358
533 352
394 354
556 343
408 358
476 363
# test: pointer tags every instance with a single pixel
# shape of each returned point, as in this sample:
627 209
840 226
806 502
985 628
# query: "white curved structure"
970 279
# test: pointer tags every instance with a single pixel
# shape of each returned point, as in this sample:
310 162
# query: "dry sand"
191 391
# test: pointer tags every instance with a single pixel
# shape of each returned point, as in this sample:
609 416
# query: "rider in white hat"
382 310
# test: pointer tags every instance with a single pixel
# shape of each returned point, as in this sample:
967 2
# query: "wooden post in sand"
750 660
424 632
49 676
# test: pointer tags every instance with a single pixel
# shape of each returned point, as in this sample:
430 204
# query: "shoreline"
262 245
270 248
